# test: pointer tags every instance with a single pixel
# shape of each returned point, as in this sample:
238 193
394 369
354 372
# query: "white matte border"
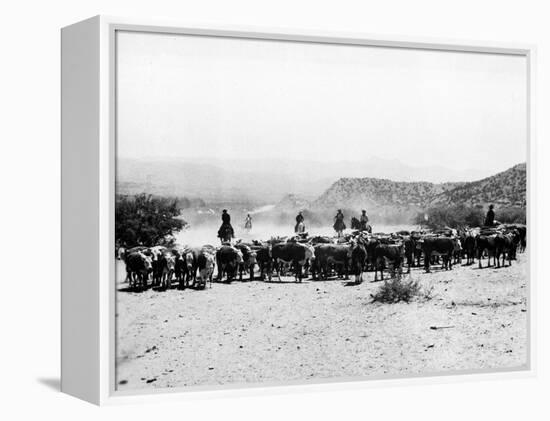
108 27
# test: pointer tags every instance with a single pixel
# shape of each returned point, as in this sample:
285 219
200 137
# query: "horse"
300 228
356 224
225 233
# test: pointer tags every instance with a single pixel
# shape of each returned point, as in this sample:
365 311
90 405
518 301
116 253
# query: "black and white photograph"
304 212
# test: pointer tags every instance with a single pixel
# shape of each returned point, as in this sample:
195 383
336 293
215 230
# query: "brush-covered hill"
376 193
504 189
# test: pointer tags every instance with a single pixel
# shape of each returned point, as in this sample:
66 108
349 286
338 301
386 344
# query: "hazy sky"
188 96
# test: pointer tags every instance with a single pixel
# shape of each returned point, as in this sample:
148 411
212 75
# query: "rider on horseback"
364 220
226 233
339 224
248 222
300 227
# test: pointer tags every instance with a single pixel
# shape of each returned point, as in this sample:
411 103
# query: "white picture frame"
88 189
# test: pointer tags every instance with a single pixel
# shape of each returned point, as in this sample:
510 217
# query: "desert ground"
258 332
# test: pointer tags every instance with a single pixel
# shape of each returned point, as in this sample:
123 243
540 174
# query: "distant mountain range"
504 189
267 181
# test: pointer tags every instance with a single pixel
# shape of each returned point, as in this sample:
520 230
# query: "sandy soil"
253 332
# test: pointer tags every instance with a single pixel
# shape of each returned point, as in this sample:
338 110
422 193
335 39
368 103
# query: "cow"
439 246
489 244
522 230
507 243
370 246
127 252
469 244
205 266
120 253
228 260
358 260
296 254
138 267
249 260
264 260
180 268
143 249
167 264
409 245
156 253
515 236
393 254
330 255
319 239
191 266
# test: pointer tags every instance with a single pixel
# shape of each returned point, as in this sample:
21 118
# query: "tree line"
457 216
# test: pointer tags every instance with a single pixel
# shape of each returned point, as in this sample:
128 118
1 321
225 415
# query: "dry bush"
396 290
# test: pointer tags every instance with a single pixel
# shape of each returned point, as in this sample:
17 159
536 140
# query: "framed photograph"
246 208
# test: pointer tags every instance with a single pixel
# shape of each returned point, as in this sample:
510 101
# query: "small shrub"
396 290
427 292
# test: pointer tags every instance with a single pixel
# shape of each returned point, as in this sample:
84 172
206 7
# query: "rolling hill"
505 189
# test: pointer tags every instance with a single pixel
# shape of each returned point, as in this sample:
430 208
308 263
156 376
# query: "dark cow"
358 260
138 267
439 246
469 246
228 259
409 245
490 245
507 243
249 260
522 230
370 246
384 254
180 269
319 239
264 259
328 256
515 236
296 254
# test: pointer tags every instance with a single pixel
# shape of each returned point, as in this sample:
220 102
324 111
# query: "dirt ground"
255 332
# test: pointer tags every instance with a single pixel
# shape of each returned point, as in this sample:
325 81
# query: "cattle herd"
321 256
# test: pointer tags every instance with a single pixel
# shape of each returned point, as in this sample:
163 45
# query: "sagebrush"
396 289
